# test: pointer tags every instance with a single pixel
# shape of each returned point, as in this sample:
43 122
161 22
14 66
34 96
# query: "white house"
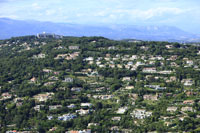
141 113
187 82
171 109
83 112
86 105
122 110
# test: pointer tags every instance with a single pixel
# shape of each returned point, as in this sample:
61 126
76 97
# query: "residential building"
187 109
141 113
68 80
80 131
188 102
150 97
149 70
6 95
126 79
77 89
122 110
92 124
73 47
172 109
53 107
38 107
43 97
71 106
67 117
116 118
187 82
83 112
86 105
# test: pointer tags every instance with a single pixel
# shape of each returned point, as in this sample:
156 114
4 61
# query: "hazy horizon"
183 14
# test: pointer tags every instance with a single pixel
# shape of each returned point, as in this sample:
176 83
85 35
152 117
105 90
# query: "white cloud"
35 5
50 12
9 16
131 15
8 1
153 12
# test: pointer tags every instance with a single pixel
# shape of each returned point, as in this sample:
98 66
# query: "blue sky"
184 14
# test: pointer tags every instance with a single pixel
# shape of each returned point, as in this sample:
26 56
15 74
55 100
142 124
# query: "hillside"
93 84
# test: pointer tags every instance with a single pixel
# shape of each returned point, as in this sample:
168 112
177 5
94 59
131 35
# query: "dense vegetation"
41 77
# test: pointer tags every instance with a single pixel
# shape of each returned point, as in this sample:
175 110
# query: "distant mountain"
12 28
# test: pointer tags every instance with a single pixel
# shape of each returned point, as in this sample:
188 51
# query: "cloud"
50 12
9 16
175 12
4 1
156 12
137 14
35 5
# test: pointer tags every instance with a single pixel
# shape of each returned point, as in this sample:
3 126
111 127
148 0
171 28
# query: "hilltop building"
48 35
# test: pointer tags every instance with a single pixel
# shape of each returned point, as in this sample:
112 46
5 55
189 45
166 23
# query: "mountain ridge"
12 28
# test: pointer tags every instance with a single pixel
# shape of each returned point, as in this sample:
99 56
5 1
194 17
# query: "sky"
184 14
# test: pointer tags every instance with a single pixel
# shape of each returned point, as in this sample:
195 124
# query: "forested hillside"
93 84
